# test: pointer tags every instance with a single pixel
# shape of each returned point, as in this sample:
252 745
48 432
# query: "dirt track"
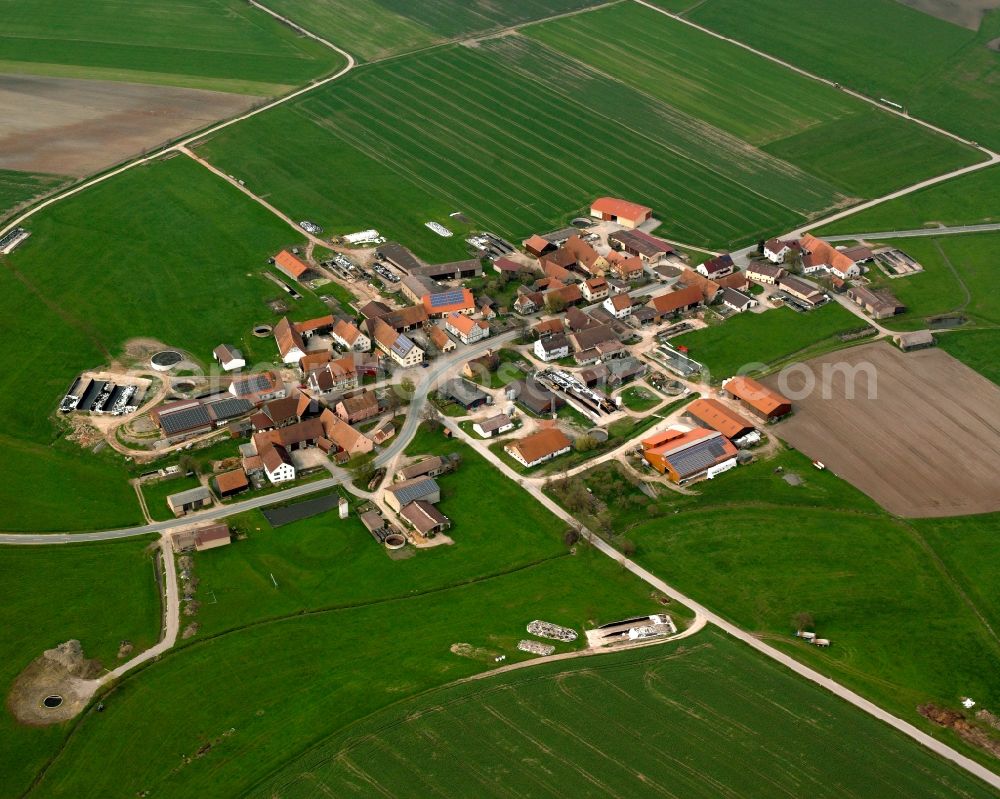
75 127
927 445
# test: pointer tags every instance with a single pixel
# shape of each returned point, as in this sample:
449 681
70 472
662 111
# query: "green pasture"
224 45
953 82
706 718
967 200
765 338
640 398
975 348
156 493
98 593
19 188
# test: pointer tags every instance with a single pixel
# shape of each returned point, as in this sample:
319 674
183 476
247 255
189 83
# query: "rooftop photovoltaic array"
447 298
253 384
402 345
699 456
418 490
185 419
230 407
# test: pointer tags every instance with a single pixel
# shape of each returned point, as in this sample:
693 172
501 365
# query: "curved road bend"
428 379
701 611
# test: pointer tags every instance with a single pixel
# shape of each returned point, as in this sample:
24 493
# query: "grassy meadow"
98 593
967 200
765 338
953 82
166 251
374 29
975 348
707 718
225 45
907 627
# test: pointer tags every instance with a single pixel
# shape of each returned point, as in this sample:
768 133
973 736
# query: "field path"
950 230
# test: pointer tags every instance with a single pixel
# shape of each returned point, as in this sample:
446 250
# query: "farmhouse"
689 278
818 255
879 303
258 388
291 347
585 257
528 302
684 456
229 357
397 346
737 300
534 396
482 365
717 267
467 330
539 447
465 394
595 289
186 501
342 437
358 408
493 426
619 306
626 214
291 265
802 290
758 398
445 303
714 414
336 376
427 467
297 436
276 413
552 348
398 495
423 517
636 242
347 335
509 268
316 359
312 327
549 327
440 339
277 465
626 269
767 274
404 319
675 302
775 250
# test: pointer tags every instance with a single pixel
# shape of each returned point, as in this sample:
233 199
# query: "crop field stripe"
640 173
637 176
638 56
682 155
693 134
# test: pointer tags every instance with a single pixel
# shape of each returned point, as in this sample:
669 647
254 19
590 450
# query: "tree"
362 472
571 536
584 443
803 620
555 304
187 464
626 546
407 386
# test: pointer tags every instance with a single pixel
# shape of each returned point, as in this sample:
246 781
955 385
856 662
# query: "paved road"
950 230
751 640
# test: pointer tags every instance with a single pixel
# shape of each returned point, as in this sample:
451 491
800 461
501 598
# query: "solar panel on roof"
185 419
402 345
697 458
252 384
447 298
230 408
412 493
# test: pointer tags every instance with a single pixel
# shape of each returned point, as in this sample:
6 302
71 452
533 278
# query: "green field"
99 594
967 200
19 188
640 398
906 626
766 338
446 149
156 493
707 718
223 45
342 630
952 83
860 151
975 348
372 29
101 268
